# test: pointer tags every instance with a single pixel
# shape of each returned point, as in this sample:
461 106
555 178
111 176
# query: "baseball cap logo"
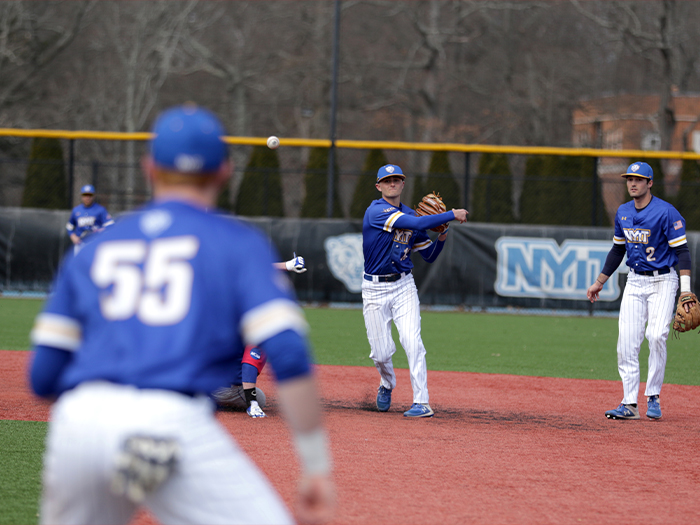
634 167
389 169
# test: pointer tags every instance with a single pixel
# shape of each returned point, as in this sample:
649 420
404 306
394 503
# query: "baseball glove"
690 320
432 204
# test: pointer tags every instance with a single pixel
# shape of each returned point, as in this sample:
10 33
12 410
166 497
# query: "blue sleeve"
674 228
683 253
70 226
410 222
613 260
433 251
288 355
105 218
47 369
249 374
619 235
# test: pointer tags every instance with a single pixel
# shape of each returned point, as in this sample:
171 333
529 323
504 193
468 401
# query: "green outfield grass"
573 347
22 444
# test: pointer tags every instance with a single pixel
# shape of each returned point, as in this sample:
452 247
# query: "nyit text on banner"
482 265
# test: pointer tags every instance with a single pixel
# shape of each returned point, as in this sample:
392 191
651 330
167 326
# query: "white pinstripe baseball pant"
646 298
397 301
214 481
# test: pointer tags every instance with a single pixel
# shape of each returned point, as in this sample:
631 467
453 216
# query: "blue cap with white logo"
390 170
189 139
640 169
88 189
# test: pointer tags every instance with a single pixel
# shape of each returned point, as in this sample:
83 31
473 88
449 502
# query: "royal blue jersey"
390 234
650 235
168 298
84 220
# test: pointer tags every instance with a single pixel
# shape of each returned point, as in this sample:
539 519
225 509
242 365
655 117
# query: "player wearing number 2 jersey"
652 234
142 326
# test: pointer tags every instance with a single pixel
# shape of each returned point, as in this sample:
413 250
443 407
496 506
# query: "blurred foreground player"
143 325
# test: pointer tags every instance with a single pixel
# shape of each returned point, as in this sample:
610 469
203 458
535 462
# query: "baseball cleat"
623 412
383 399
653 408
254 410
419 410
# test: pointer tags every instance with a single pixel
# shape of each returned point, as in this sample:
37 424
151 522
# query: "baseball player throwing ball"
652 233
390 232
144 323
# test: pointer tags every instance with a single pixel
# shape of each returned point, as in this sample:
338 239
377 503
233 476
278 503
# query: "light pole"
334 104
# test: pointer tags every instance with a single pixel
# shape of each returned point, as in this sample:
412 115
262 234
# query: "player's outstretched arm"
299 402
296 265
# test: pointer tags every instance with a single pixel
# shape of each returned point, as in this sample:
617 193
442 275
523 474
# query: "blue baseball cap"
390 170
87 189
640 169
189 139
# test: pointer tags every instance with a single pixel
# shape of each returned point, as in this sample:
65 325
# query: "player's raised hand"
296 265
461 215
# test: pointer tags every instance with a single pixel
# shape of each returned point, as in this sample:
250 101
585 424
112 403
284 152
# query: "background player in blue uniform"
652 234
142 326
390 232
87 217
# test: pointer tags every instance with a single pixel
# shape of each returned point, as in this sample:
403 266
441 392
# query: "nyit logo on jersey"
403 236
85 221
637 236
535 267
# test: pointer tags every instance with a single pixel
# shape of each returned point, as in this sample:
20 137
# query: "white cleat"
254 410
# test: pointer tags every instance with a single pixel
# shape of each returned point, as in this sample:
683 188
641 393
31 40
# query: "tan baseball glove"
690 320
432 204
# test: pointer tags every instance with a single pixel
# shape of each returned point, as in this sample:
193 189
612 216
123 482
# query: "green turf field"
22 444
574 347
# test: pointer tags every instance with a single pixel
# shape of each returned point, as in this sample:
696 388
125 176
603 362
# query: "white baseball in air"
273 142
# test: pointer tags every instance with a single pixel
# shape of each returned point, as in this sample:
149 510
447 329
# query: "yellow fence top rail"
369 144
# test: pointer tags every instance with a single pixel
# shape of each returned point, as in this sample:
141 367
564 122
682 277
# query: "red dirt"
500 449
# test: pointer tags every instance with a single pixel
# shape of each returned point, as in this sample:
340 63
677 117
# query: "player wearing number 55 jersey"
143 324
652 234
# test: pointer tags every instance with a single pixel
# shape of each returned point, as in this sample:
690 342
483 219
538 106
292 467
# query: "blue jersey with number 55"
168 298
650 234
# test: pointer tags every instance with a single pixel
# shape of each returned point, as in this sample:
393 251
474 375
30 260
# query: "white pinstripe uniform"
389 234
650 236
398 300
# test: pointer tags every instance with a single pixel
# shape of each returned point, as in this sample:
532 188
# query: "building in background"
631 122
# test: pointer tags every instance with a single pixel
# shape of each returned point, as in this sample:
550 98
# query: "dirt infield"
500 449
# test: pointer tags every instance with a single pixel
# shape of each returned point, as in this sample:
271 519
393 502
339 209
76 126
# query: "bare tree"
144 41
662 38
32 36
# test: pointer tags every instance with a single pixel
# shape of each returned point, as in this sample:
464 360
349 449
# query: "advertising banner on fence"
481 266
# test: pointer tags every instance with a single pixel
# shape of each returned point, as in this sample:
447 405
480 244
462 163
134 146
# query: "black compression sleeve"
613 260
683 257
